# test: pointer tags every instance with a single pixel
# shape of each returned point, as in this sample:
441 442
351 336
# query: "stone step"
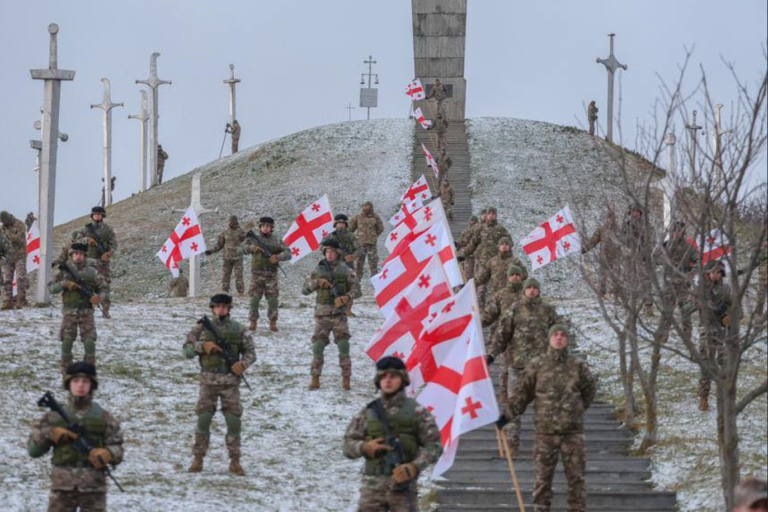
596 499
528 430
599 463
527 445
487 476
529 508
527 482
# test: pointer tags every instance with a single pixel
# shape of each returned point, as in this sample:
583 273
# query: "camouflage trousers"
103 269
371 252
232 409
324 326
710 350
468 266
72 501
682 298
482 289
377 495
235 144
73 320
513 428
227 269
264 284
548 448
448 207
8 268
160 170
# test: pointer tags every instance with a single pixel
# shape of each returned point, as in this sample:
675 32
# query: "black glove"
461 259
208 252
489 359
502 421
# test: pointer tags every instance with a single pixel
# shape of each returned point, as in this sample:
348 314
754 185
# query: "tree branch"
751 397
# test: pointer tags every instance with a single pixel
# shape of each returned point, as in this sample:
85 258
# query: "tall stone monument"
232 83
153 83
612 65
53 76
106 106
142 117
439 41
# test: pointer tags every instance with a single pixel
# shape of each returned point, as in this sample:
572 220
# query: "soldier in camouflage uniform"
445 162
494 272
484 245
15 234
179 286
76 306
678 257
562 388
636 237
349 248
387 489
234 130
5 252
468 263
230 241
447 197
335 284
78 481
218 380
714 318
268 251
592 111
368 227
438 93
162 156
102 245
606 236
522 336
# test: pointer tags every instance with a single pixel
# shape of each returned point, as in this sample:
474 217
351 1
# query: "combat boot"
21 302
235 468
315 384
704 404
253 325
197 465
273 325
7 305
105 312
346 384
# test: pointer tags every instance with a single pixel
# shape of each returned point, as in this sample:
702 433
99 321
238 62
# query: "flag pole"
511 466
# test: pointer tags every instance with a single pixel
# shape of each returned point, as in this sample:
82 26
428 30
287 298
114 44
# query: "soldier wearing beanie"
714 320
368 227
412 426
494 272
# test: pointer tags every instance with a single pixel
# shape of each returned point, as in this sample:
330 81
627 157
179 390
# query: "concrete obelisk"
232 83
153 83
611 66
143 116
53 77
106 106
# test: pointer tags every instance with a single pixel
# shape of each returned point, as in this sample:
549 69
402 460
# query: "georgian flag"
309 229
14 285
406 211
419 190
185 242
33 247
403 234
418 115
716 246
415 90
556 238
431 162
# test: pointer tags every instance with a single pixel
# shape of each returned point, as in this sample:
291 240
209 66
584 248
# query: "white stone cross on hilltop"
106 106
153 83
232 83
143 116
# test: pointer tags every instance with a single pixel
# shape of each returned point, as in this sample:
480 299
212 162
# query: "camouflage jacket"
5 248
437 92
102 234
235 130
367 227
162 156
341 276
260 261
485 242
500 302
77 299
440 126
235 334
523 331
494 271
561 388
679 260
427 434
68 474
346 240
446 194
179 287
466 235
230 241
636 237
16 237
605 237
718 303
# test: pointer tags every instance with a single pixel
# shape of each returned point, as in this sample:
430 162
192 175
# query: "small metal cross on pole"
611 66
142 117
370 75
350 108
106 105
153 83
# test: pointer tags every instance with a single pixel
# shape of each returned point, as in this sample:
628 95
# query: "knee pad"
234 425
204 420
255 300
90 347
343 345
66 347
318 348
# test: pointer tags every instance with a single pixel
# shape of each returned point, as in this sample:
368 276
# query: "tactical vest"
260 261
95 430
92 232
339 278
403 426
215 363
346 242
77 299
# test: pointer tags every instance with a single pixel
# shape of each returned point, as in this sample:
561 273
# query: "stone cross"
37 145
53 76
106 106
143 116
693 129
611 65
153 83
232 83
197 205
717 143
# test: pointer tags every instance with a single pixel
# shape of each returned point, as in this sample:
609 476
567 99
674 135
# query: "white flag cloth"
186 241
403 327
716 246
431 162
450 360
556 238
308 230
400 272
419 190
33 247
14 285
415 90
406 211
418 115
403 234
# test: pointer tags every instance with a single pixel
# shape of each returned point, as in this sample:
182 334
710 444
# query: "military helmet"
514 270
330 244
532 282
99 209
340 218
506 241
492 210
391 364
5 217
368 203
268 221
81 369
78 247
559 328
221 299
233 218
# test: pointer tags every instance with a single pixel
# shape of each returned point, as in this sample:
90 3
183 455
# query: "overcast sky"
301 60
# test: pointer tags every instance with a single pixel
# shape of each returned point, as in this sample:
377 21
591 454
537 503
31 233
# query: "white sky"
301 60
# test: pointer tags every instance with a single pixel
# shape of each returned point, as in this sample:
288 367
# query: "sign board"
369 98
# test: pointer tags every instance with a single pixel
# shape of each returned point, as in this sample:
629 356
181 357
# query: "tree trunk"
652 402
728 439
627 381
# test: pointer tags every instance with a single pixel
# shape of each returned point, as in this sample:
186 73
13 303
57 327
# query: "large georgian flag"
308 230
556 238
419 190
33 247
716 246
185 242
418 115
406 211
415 90
403 234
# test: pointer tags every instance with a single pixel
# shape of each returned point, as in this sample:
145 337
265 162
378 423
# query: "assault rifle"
396 456
81 444
78 281
334 286
264 247
226 349
92 232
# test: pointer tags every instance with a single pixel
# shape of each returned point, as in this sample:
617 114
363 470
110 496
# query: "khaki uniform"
15 261
328 318
417 431
679 260
368 227
713 332
101 240
562 388
592 116
218 383
606 236
494 272
483 245
468 265
447 197
179 287
162 156
230 241
74 482
234 130
264 282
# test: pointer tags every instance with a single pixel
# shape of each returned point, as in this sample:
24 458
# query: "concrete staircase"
458 149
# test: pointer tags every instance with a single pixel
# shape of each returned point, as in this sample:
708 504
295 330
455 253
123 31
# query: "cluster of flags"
415 90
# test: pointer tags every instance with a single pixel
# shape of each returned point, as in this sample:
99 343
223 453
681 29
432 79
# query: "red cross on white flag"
716 246
309 229
406 211
418 115
556 238
431 162
399 238
14 285
33 247
419 190
415 90
186 241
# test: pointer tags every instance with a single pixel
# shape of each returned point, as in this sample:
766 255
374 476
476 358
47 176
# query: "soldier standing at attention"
592 116
162 156
385 488
368 227
219 380
15 234
230 241
102 245
78 480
